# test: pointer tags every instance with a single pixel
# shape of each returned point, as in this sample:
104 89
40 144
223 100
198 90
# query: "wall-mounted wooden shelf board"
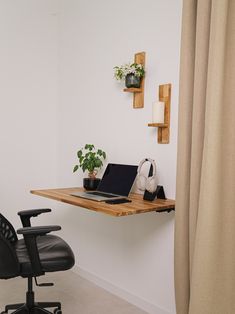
138 93
158 125
133 90
137 205
164 128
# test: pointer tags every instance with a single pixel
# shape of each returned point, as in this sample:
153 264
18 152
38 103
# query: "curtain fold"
205 195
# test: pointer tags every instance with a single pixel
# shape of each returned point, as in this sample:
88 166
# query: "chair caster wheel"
57 311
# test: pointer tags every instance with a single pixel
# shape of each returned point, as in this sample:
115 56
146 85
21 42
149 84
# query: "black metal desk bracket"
165 210
159 193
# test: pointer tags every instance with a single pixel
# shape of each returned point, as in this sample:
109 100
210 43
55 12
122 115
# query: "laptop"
116 182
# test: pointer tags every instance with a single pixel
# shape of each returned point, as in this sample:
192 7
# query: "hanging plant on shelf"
90 160
132 73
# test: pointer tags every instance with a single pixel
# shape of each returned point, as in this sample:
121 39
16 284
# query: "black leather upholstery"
32 256
9 265
54 253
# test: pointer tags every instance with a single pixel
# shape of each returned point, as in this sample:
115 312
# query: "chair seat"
55 255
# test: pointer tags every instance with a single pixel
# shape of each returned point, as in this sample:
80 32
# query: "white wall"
57 93
135 253
28 99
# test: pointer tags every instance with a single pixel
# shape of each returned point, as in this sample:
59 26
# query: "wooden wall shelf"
136 206
138 93
158 125
164 128
133 90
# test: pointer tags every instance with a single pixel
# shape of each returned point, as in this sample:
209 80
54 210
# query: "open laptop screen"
118 179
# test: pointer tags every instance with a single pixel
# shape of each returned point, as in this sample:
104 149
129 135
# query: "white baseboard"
135 300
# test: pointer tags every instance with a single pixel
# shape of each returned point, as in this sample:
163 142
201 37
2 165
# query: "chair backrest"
7 230
9 265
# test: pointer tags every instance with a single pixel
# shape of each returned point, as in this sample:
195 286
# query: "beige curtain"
205 196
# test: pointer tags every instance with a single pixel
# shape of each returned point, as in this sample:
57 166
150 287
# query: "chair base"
32 307
37 308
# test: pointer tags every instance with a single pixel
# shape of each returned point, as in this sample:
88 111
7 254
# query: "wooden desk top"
137 206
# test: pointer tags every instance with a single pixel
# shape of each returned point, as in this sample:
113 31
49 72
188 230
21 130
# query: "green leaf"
84 167
81 159
79 153
89 146
98 163
99 152
75 168
104 155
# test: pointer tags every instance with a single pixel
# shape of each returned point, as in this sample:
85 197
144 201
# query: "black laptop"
116 182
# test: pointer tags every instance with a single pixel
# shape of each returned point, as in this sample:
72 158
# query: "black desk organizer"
159 193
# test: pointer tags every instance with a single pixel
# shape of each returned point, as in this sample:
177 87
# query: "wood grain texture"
138 100
165 95
132 90
158 125
137 206
138 93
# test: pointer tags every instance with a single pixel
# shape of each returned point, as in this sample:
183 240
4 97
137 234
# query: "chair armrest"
38 230
34 212
30 238
25 215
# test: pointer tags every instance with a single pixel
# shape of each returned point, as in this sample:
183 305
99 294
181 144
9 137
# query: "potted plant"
91 160
131 73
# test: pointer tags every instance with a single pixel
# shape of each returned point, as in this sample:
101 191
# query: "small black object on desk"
118 201
159 193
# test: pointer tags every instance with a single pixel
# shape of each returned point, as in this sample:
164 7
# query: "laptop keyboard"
102 194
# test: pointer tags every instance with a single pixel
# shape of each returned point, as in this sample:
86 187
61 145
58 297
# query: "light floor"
77 295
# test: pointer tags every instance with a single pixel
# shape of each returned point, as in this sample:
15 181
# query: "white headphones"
147 183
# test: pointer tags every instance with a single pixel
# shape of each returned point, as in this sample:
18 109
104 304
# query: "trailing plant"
132 68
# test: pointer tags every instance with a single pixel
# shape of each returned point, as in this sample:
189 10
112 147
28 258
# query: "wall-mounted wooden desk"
137 206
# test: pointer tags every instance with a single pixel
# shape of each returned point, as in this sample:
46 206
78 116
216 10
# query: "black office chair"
32 256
